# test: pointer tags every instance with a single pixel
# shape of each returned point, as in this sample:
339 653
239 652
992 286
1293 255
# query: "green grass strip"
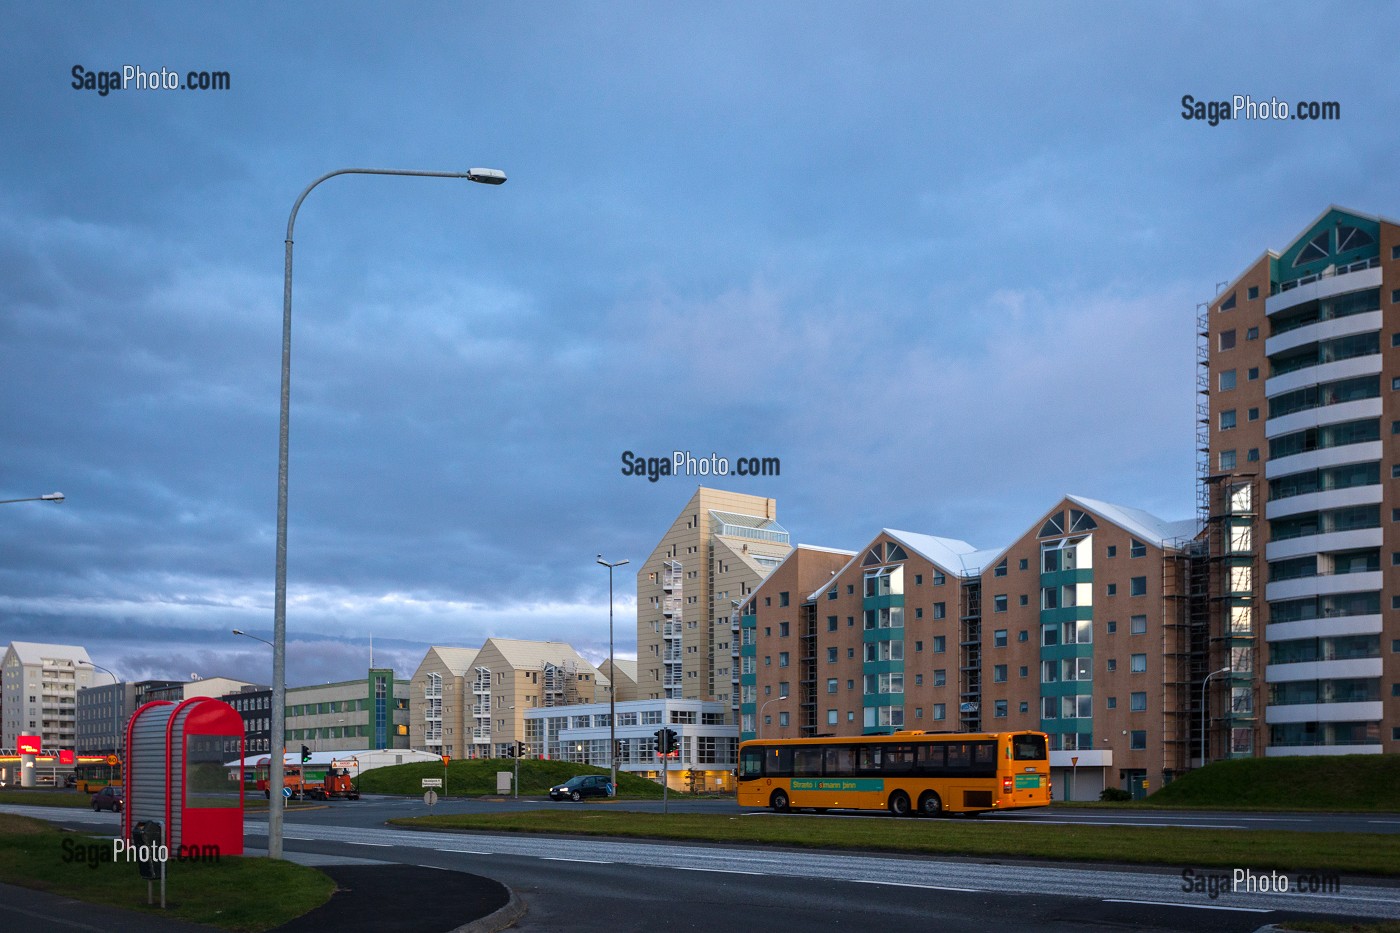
1377 854
234 893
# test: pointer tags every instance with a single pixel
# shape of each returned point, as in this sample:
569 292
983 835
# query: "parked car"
108 798
585 785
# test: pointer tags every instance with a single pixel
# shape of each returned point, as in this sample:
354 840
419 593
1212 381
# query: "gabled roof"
1141 524
949 554
458 660
529 655
33 652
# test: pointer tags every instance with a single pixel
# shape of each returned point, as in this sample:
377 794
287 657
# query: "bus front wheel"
930 805
779 802
899 803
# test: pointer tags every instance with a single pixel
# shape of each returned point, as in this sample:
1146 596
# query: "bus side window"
899 758
870 758
959 756
931 758
779 762
840 761
807 762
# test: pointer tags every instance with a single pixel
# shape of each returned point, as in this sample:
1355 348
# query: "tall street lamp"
118 702
612 672
46 497
1223 670
758 724
254 637
486 176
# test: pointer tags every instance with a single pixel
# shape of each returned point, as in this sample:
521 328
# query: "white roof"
33 652
1142 524
458 660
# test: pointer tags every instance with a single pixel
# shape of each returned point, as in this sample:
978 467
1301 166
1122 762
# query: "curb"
507 916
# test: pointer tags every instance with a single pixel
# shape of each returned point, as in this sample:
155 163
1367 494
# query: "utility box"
503 782
175 775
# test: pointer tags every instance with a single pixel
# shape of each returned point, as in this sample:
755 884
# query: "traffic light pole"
516 784
665 776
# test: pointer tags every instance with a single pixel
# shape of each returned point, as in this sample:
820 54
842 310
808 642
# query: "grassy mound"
476 777
1316 782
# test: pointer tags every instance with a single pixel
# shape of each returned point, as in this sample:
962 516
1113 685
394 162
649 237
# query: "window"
783 601
1111 665
1023 635
939 641
1227 380
1137 586
939 711
1227 339
1000 570
940 610
1112 589
1229 303
999 709
1138 702
832 684
999 603
831 655
940 677
999 674
1227 419
999 638
1253 292
918 579
1138 625
1137 739
831 623
1025 671
1138 549
1252 455
831 717
938 578
783 628
1252 334
1025 707
1139 664
1253 373
1024 563
1111 702
1252 414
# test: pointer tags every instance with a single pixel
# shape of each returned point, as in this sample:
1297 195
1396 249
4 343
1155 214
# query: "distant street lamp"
1223 670
46 497
758 724
255 638
485 176
117 703
612 673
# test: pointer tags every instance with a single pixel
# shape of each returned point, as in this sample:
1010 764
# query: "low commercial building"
706 759
372 712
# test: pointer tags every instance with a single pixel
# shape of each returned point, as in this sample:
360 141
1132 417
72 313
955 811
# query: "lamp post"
117 703
1223 670
254 637
46 497
612 673
758 724
487 176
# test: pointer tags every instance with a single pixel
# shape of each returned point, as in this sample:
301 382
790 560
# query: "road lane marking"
1243 910
926 887
722 871
465 852
381 845
586 861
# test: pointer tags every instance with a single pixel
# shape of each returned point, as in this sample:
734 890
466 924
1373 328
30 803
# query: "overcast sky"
941 259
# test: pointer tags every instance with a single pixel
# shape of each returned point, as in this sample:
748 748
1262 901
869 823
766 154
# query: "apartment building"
350 715
471 702
103 711
716 552
1299 442
1077 629
40 684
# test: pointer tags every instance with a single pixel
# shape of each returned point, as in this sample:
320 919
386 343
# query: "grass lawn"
477 777
1206 848
235 893
1365 783
46 798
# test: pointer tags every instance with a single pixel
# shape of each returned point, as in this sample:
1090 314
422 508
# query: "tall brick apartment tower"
716 552
1299 440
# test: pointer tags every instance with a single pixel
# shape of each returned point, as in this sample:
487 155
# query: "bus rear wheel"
930 805
899 803
779 801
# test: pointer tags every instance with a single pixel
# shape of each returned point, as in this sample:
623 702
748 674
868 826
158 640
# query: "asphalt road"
596 884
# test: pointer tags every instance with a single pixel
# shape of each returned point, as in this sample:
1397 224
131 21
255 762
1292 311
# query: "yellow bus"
93 774
907 773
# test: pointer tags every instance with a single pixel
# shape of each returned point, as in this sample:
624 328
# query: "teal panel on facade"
1068 614
883 699
1067 577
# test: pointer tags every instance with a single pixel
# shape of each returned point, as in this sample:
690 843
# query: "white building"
708 747
39 685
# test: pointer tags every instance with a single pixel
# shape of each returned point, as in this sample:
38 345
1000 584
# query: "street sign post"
430 797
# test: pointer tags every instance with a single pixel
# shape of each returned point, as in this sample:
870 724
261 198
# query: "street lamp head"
487 176
52 497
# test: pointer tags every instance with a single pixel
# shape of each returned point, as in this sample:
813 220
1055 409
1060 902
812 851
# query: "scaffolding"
1185 644
807 671
970 674
559 683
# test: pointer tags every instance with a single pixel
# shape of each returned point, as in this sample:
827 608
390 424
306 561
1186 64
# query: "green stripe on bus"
857 784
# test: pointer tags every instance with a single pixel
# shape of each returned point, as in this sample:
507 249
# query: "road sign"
112 760
287 792
432 782
1074 760
430 797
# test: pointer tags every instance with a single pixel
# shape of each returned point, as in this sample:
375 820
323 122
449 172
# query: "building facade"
351 715
40 684
716 552
471 702
103 711
1299 444
705 761
254 705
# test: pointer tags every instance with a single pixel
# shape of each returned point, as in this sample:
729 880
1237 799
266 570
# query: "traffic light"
660 736
305 754
519 749
673 742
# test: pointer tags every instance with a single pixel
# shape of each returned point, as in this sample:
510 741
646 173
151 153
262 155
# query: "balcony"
1331 627
1365 711
1322 500
1323 415
1325 543
1323 585
1364 452
1350 278
1323 670
1323 372
1323 330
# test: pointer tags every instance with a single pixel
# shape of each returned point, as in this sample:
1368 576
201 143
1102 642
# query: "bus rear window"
1028 747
